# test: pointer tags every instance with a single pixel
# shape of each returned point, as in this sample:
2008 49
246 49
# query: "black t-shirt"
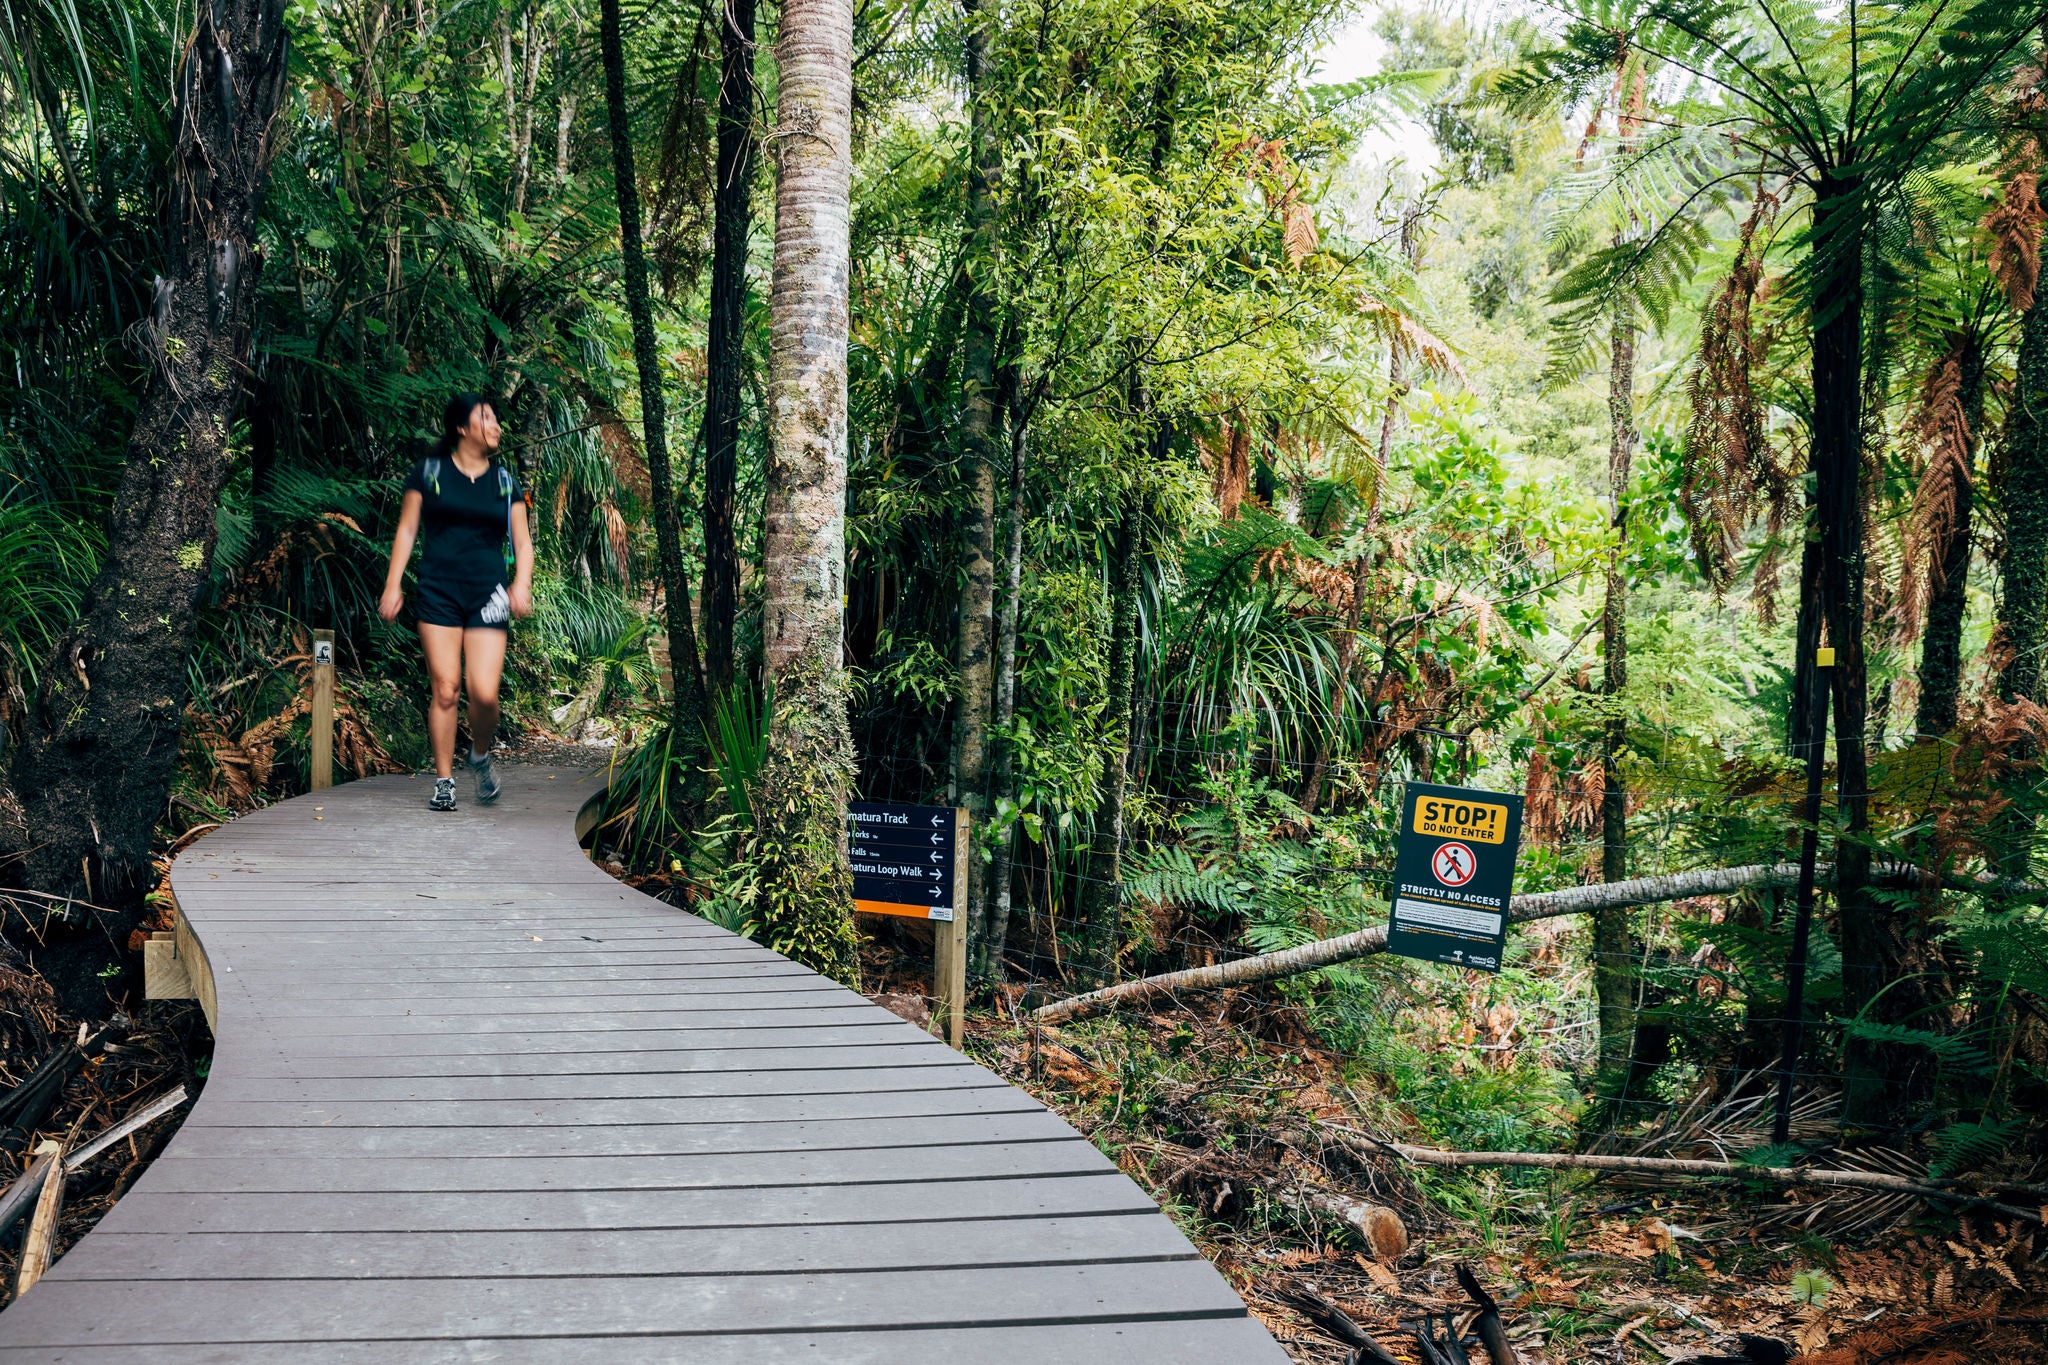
465 523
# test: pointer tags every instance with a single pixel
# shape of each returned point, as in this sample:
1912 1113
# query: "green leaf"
320 239
1810 1287
420 153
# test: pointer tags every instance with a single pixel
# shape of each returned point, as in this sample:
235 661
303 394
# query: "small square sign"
1454 874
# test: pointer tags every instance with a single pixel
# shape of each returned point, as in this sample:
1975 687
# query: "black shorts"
465 606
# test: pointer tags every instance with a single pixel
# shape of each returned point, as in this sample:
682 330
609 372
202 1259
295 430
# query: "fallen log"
1790 1176
39 1242
1573 900
135 1122
1379 1227
20 1197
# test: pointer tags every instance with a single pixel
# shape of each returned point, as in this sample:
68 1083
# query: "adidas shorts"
464 606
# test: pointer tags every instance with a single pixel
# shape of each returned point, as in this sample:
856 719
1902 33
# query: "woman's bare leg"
484 662
443 645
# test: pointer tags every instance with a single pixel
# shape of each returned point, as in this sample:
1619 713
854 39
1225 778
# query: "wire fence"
1242 840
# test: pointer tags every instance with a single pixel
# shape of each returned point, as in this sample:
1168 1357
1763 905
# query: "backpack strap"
505 490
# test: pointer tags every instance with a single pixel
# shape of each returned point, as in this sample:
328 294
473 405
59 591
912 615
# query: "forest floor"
141 1058
1235 1119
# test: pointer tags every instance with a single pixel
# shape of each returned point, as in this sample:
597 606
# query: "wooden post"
323 709
949 942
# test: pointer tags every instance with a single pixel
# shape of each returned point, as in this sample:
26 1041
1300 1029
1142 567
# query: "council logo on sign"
1453 864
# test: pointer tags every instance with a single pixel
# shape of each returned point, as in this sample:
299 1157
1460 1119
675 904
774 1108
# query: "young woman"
470 585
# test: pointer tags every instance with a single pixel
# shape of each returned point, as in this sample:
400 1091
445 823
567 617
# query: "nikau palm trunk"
800 801
102 738
979 422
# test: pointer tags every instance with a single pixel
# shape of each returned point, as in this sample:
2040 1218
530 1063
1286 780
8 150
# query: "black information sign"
1454 874
902 859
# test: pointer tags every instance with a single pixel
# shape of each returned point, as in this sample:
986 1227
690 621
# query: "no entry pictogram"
1453 864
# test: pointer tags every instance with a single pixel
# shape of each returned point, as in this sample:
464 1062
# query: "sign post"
1454 873
323 710
905 861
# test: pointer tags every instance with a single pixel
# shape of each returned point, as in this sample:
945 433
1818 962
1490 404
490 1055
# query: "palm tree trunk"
686 714
980 420
1614 981
801 792
101 741
725 354
1941 648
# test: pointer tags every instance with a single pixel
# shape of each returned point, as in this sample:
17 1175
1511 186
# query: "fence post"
1802 917
949 942
323 709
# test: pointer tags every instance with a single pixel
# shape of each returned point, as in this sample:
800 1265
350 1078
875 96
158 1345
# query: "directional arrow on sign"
937 838
935 821
935 893
938 857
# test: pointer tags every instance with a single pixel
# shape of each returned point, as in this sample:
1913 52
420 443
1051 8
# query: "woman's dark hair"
454 418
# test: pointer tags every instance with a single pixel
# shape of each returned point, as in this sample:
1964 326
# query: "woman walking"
476 573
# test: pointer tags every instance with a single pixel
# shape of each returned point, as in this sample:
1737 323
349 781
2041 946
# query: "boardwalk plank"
1218 1342
699 1252
194 1311
475 1100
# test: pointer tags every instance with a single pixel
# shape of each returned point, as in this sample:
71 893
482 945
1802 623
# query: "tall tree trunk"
1941 647
686 714
1614 981
801 793
1102 896
995 917
732 218
979 426
2023 499
1871 946
1806 634
101 740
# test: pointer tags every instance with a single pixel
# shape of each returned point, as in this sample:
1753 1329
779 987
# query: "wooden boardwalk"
473 1100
